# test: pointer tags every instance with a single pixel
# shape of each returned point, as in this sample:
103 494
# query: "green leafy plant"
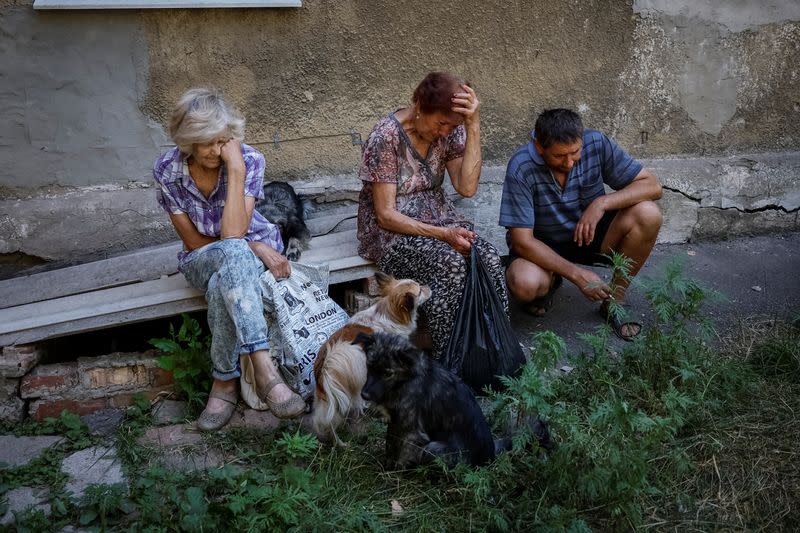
70 426
298 445
668 432
103 502
617 414
186 355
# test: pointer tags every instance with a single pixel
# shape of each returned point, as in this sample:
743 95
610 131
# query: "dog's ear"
408 359
408 302
384 281
364 339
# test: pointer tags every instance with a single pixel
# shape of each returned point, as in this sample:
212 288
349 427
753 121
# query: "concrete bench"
143 285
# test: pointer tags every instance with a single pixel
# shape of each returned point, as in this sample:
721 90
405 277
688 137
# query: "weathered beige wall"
663 77
693 81
85 94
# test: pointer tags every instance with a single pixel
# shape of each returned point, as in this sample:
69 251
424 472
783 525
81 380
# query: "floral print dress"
389 156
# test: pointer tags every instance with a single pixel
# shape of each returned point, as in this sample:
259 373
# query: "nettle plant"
186 355
616 416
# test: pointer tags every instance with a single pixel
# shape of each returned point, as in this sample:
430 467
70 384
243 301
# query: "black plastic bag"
482 345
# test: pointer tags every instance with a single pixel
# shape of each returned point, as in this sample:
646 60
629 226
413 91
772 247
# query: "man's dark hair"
562 126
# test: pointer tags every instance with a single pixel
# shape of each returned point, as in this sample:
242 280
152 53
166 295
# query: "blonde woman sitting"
208 185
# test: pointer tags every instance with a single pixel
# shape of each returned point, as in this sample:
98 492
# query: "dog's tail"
339 384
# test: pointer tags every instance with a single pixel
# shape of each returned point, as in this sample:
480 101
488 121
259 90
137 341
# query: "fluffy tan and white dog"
341 368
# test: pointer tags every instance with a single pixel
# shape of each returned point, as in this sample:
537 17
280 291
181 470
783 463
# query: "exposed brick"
93 383
119 372
123 376
160 377
124 400
370 286
41 409
49 380
45 407
16 361
356 301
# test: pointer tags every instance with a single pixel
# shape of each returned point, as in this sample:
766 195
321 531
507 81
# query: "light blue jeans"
228 271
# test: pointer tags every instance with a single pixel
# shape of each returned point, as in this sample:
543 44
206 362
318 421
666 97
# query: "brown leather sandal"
215 421
294 406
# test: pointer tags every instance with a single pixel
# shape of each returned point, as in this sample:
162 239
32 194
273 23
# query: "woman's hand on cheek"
231 153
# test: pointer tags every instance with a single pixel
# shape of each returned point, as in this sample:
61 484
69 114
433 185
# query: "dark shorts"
582 255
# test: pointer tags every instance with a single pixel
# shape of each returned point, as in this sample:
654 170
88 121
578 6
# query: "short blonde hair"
200 116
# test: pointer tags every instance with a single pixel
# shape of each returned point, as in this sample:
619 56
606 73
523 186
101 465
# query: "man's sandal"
214 421
540 306
618 323
290 408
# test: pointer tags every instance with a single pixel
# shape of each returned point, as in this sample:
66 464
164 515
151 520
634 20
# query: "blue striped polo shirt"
532 198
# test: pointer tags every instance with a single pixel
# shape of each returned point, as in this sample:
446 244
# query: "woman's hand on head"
231 154
466 103
460 239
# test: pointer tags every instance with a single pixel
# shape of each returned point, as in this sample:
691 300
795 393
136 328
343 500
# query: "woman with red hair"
406 223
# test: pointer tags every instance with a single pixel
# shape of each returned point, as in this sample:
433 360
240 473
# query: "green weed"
186 355
668 432
70 426
297 445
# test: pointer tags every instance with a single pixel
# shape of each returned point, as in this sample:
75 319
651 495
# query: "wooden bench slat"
145 300
145 285
331 239
179 299
143 265
331 223
95 303
139 266
93 323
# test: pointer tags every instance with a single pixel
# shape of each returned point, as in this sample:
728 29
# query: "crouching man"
559 217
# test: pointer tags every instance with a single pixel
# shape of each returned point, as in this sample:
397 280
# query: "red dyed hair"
435 91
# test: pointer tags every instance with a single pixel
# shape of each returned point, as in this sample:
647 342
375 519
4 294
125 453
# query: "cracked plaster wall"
85 96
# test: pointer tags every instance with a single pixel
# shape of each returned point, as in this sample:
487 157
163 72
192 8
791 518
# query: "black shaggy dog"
432 413
283 207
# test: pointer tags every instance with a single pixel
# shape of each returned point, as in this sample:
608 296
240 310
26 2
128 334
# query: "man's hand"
466 103
584 231
459 238
231 154
591 285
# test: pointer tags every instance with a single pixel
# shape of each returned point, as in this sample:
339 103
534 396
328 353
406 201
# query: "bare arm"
238 211
192 239
389 218
645 186
465 172
272 259
525 245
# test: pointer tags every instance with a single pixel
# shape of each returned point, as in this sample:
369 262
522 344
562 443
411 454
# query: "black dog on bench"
284 208
431 412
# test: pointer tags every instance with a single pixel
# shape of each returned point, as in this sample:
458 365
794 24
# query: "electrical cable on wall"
355 139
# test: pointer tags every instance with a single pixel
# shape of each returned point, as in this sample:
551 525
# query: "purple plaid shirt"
178 193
